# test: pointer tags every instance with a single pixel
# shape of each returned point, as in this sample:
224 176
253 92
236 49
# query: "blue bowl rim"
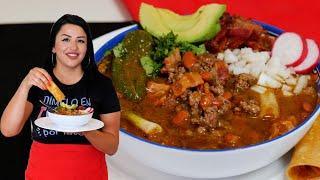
270 28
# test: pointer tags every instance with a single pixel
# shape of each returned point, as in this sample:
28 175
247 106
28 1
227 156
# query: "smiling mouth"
72 55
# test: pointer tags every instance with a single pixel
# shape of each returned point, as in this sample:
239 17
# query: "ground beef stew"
224 121
200 104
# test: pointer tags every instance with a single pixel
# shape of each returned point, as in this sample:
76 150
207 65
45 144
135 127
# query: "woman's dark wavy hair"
88 64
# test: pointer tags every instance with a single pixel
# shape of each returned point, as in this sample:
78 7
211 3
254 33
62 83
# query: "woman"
70 64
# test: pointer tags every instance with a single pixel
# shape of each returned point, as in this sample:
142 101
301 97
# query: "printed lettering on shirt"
50 100
84 101
73 133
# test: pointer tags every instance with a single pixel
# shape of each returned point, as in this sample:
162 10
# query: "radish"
290 48
311 60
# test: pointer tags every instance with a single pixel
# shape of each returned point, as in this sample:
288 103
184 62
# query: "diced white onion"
269 71
275 76
240 63
267 81
220 56
269 104
229 57
291 81
240 70
286 88
236 52
287 93
302 83
284 73
258 89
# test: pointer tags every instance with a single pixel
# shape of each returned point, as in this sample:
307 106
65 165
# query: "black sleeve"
110 102
33 94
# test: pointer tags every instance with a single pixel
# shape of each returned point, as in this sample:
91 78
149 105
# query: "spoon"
49 107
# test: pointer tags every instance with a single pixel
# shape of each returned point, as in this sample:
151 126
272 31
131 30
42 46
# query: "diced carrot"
181 118
307 106
227 95
206 76
189 59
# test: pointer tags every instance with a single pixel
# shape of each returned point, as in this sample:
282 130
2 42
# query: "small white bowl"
69 120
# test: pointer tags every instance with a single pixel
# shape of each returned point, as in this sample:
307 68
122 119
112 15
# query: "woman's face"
70 46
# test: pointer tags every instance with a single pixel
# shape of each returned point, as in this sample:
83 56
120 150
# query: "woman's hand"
19 109
37 77
106 140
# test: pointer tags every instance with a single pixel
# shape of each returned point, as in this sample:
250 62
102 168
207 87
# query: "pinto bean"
307 106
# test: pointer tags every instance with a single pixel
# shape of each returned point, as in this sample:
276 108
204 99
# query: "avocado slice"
150 20
201 25
178 22
211 34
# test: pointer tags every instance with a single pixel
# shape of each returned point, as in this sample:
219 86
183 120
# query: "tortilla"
55 91
305 161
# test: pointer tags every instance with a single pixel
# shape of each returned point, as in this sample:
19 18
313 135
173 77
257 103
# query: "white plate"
123 167
46 123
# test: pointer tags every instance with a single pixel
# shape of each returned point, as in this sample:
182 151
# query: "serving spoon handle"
49 107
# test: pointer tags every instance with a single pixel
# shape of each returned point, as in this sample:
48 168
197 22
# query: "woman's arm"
16 113
19 109
106 140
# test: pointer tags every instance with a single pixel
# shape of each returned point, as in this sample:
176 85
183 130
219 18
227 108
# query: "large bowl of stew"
228 140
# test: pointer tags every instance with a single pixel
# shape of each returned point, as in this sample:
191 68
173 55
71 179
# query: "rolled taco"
305 160
55 91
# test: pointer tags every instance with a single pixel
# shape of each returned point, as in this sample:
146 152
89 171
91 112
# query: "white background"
38 11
